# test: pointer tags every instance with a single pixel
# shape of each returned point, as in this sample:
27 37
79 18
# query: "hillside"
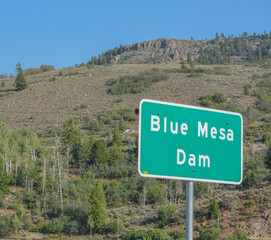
54 97
64 154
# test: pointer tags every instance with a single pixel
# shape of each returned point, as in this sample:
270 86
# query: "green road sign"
190 143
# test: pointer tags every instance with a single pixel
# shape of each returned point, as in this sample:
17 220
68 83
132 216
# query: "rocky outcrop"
164 50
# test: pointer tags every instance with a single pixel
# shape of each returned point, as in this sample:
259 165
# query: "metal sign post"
189 209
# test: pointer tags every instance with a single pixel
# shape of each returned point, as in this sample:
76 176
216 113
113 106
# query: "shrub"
178 234
209 100
263 94
20 212
115 226
77 213
27 222
154 234
6 226
46 68
155 195
55 226
72 228
135 83
246 89
107 117
209 234
166 215
218 97
255 172
30 71
206 100
158 234
239 234
32 201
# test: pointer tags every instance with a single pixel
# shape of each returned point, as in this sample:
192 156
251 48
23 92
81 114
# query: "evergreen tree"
116 138
20 81
214 209
122 125
93 61
97 211
99 152
115 153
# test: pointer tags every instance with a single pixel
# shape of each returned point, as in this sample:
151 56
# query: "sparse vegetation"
48 177
209 100
135 83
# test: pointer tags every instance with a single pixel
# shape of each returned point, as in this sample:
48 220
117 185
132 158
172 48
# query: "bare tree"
143 197
179 190
57 158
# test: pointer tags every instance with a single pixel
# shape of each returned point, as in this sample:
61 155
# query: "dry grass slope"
53 97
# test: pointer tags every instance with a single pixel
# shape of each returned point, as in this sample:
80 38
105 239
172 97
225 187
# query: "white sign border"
190 107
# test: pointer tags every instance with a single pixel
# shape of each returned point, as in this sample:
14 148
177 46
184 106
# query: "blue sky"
63 33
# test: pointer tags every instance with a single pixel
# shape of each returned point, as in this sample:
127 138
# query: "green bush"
55 226
136 83
46 68
209 234
177 234
72 228
27 222
208 100
218 97
154 234
255 172
155 195
32 201
107 117
166 215
77 213
239 234
6 226
263 94
115 226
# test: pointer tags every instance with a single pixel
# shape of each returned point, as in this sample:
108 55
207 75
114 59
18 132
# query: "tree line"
253 49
